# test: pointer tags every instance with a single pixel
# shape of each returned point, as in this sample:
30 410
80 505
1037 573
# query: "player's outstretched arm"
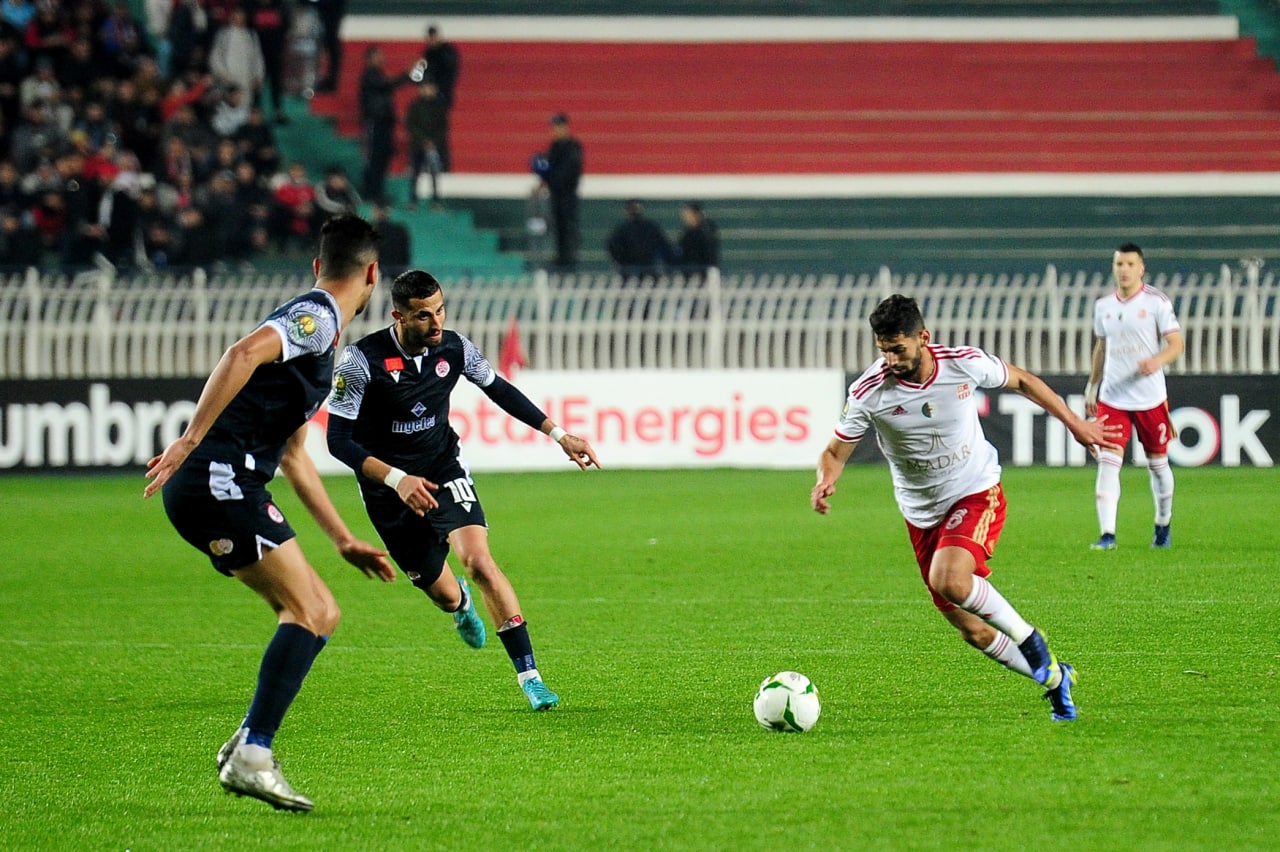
579 450
229 376
830 465
1091 433
300 470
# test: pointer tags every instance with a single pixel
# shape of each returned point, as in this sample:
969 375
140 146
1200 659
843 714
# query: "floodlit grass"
656 602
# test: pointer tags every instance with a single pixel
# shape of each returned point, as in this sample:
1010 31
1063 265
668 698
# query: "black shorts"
225 512
419 545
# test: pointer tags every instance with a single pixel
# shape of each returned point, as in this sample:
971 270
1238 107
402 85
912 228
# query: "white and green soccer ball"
787 701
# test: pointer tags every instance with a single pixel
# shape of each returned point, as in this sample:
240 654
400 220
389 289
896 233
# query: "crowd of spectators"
145 143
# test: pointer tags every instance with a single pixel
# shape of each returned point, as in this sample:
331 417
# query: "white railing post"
33 348
199 290
715 319
1053 305
100 321
542 320
884 282
1251 320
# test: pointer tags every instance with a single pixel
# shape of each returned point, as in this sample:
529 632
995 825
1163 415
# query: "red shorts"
1155 429
974 523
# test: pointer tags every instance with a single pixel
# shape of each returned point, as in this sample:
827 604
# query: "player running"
250 419
1137 337
389 422
922 401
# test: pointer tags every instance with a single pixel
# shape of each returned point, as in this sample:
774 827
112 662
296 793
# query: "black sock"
285 663
519 648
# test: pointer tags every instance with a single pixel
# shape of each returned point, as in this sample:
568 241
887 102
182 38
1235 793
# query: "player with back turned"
251 419
389 422
922 401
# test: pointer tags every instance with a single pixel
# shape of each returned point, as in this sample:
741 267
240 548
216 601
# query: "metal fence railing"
95 325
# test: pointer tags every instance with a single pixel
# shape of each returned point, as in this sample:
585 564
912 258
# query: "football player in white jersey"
1137 337
921 400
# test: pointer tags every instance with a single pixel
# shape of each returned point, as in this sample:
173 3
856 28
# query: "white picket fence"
94 325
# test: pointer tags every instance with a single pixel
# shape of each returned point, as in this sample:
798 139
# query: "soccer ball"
787 701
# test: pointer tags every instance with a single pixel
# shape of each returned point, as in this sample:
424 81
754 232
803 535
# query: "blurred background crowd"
151 143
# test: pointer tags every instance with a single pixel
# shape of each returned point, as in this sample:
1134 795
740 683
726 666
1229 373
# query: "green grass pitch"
657 602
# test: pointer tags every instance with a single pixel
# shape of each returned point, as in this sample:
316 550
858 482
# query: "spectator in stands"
19 241
257 143
271 20
335 195
443 64
331 13
378 116
560 169
12 196
699 246
236 56
36 138
427 121
254 199
49 33
296 213
394 252
637 245
41 86
12 73
231 113
189 36
80 70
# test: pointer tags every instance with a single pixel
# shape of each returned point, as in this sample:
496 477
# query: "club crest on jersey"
926 410
301 327
442 368
1142 313
339 386
957 518
274 514
897 411
964 391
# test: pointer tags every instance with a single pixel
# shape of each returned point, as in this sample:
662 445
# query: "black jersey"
399 402
279 397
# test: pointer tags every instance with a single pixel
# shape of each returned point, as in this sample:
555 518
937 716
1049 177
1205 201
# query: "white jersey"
1133 330
929 432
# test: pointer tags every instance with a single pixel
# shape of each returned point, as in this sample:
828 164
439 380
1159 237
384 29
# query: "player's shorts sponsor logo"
410 427
221 546
274 514
442 368
301 327
957 518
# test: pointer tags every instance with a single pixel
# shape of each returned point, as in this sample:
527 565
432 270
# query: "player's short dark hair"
896 315
348 244
1130 248
412 284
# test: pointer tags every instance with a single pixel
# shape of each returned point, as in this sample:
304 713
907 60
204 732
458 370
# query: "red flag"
511 355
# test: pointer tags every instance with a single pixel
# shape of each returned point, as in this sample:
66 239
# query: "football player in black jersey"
250 419
389 421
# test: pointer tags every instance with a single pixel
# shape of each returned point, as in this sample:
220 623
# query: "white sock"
1107 491
1005 652
253 756
521 677
989 605
1161 488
